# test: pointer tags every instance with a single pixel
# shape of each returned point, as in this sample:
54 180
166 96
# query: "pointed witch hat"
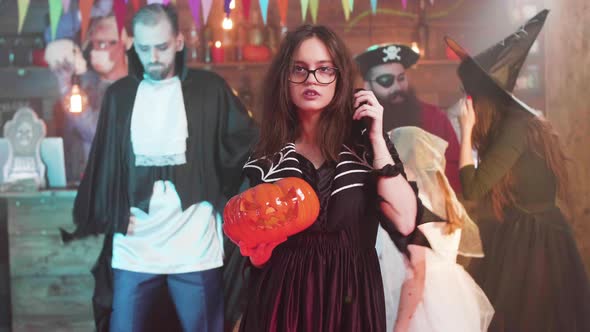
497 68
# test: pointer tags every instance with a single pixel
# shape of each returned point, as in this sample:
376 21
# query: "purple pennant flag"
404 3
207 4
66 5
226 6
195 6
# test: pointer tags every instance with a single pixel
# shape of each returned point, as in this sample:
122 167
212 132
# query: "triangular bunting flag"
120 9
283 8
195 7
226 9
23 8
374 6
346 9
304 7
85 9
246 9
65 4
55 10
263 9
313 6
135 4
206 6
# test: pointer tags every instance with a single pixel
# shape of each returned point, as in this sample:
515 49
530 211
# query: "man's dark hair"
153 13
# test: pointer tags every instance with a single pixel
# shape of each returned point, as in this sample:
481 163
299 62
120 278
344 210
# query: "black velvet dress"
326 278
532 271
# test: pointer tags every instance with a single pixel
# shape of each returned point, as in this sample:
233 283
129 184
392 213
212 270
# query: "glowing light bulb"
227 24
415 47
217 44
232 4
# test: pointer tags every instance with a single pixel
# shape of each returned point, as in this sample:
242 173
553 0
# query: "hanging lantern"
76 100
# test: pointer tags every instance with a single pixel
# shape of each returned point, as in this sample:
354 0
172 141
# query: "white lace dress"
452 301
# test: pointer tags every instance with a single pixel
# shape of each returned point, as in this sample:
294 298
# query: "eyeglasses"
323 75
387 80
103 44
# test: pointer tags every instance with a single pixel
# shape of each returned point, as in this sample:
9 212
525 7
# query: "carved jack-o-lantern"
269 213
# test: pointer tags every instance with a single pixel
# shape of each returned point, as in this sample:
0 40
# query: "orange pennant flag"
283 7
85 9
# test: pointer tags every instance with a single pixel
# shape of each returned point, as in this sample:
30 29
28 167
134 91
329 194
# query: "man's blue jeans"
197 297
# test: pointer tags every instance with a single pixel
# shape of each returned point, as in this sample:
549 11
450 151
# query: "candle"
217 53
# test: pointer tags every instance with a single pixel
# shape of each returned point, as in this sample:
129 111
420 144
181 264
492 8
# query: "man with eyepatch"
384 71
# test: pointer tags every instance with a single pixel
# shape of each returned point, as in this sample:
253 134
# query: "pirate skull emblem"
392 53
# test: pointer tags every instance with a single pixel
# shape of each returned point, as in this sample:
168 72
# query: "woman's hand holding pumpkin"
260 254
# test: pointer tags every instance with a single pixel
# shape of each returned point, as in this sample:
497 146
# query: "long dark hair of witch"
280 123
491 109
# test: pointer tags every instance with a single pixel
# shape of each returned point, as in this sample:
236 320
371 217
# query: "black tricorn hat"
498 66
386 53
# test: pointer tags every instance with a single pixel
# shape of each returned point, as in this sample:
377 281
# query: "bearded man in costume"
384 71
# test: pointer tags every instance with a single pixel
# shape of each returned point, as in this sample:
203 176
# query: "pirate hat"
386 53
497 68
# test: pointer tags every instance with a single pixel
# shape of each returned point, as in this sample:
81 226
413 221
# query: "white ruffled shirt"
169 240
159 126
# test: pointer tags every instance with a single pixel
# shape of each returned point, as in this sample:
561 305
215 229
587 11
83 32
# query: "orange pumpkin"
269 213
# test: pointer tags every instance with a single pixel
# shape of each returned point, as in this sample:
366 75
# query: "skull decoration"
269 213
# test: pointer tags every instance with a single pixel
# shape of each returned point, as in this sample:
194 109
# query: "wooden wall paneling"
50 283
5 306
567 78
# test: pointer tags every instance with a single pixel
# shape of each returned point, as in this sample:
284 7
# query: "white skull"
391 53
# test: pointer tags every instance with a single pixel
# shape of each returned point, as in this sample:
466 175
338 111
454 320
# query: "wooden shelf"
22 71
246 64
228 65
438 62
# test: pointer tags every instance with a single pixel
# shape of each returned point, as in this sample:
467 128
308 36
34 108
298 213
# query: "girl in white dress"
437 293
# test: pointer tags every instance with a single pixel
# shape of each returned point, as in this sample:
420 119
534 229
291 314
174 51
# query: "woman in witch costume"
327 277
532 271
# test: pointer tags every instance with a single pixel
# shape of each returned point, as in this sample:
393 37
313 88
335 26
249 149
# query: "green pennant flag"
314 5
55 10
304 6
346 9
23 8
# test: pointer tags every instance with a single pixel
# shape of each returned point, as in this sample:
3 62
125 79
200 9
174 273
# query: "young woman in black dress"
315 127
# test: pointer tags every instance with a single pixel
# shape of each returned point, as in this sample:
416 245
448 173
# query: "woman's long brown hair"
279 122
541 138
454 222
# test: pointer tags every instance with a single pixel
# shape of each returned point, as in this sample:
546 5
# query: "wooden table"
44 284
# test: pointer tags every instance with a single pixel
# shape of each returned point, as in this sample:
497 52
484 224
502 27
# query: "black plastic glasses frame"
314 75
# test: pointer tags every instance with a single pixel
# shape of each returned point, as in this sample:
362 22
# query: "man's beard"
160 72
405 113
